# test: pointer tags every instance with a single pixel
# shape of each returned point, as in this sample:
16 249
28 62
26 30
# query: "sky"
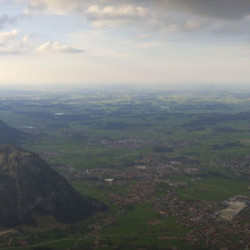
87 42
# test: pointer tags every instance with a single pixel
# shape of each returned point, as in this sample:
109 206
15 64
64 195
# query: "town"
212 222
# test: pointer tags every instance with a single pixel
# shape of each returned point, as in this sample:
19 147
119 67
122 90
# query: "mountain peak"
28 186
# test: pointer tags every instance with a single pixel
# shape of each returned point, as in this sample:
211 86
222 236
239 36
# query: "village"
239 166
142 181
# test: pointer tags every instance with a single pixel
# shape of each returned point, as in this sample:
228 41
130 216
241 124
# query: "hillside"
9 135
29 187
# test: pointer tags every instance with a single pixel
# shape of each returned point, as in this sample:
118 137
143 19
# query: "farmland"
162 160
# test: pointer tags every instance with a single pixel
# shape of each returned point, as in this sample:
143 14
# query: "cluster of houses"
241 167
210 222
128 143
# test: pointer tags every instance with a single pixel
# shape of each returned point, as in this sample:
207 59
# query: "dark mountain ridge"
29 187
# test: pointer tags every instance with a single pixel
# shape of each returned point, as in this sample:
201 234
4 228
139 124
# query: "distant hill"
9 135
29 187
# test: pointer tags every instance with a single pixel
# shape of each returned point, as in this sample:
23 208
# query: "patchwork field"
162 160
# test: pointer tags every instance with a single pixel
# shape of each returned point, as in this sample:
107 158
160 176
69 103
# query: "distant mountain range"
29 187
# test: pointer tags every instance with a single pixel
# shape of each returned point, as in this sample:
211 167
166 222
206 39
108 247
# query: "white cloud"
26 44
56 47
6 36
111 16
115 12
10 43
25 40
59 7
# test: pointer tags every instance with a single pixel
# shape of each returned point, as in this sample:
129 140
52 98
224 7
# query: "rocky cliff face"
28 186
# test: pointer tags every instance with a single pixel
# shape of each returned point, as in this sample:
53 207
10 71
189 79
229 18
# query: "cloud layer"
162 15
146 40
166 16
229 9
11 42
56 47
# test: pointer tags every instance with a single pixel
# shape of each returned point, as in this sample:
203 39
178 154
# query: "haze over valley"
124 124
